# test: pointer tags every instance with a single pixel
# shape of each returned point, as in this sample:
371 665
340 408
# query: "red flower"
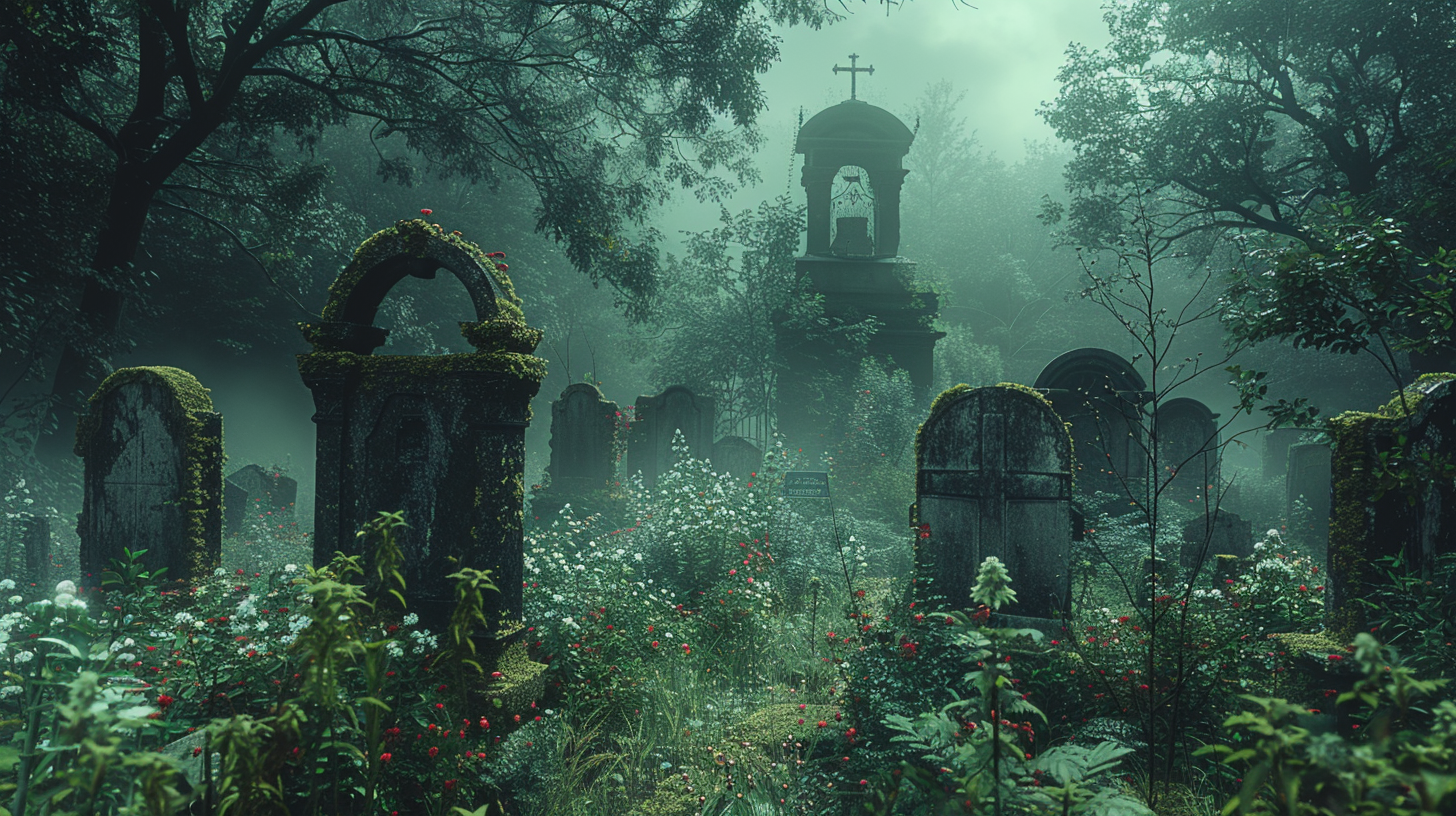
163 701
426 212
823 724
434 752
385 757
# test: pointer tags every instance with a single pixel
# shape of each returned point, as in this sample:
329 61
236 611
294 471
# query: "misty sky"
1004 54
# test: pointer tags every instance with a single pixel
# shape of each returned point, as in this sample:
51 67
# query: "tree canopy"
211 108
1251 114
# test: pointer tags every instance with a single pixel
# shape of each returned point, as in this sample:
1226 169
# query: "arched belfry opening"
852 212
852 175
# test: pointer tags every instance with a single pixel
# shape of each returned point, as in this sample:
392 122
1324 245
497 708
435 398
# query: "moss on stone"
950 395
773 724
522 681
1321 644
520 366
502 335
417 238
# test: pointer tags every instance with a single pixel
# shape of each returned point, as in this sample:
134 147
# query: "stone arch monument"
440 437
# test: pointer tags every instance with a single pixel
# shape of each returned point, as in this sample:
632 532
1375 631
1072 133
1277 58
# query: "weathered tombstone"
440 438
1308 482
583 439
658 419
1100 395
268 491
737 457
1188 452
583 451
1215 534
1416 518
994 478
28 548
1276 450
152 447
236 509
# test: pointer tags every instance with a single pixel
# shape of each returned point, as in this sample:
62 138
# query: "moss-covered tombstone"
441 438
152 447
1393 491
1101 396
994 478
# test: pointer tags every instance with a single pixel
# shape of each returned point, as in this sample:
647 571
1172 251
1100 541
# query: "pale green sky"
1005 54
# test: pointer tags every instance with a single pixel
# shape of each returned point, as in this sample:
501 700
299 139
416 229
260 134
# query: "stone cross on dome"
852 70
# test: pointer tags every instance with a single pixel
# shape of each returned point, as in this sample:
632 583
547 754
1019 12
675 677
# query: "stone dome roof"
853 120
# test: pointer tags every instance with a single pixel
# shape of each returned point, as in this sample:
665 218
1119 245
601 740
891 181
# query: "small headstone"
658 420
187 751
152 447
1101 396
268 490
583 440
1225 533
1308 482
1188 452
994 478
1276 450
737 457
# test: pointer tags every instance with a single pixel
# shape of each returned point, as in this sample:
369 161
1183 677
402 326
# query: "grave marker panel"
152 448
658 419
994 479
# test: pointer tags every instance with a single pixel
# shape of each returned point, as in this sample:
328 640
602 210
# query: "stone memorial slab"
268 490
659 418
1414 516
1276 450
737 456
1188 452
1101 396
441 438
1215 534
583 440
994 478
152 447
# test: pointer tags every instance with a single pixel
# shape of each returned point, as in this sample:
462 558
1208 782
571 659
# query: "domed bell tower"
852 174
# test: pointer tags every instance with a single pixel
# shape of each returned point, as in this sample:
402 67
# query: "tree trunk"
86 356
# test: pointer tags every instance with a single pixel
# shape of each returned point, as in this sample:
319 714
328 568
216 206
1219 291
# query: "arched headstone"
1188 452
1100 395
736 456
994 478
441 438
658 419
583 440
152 447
